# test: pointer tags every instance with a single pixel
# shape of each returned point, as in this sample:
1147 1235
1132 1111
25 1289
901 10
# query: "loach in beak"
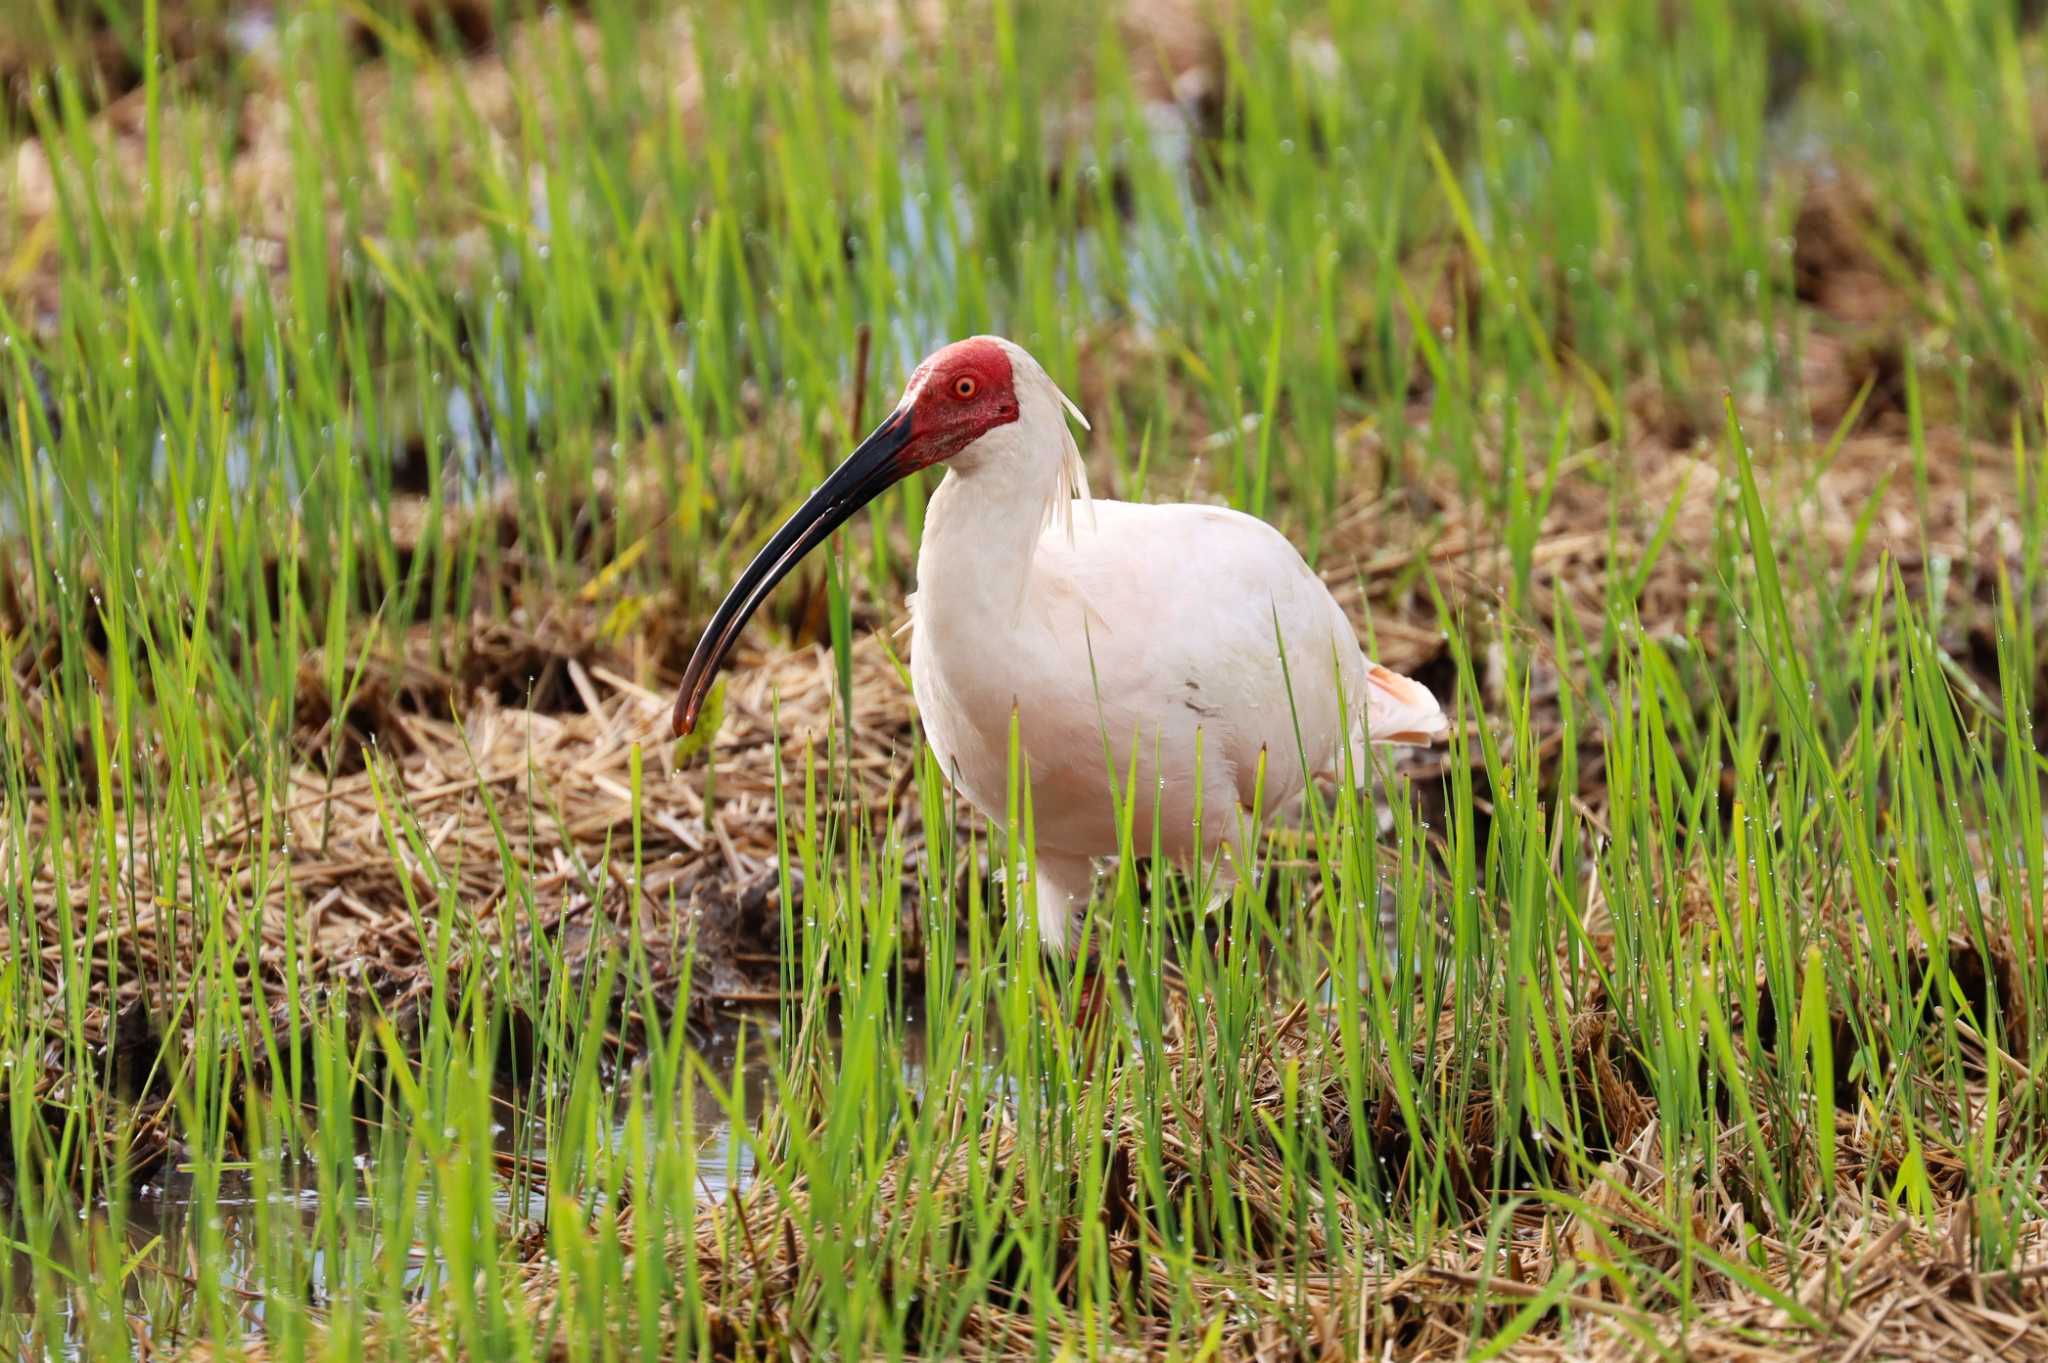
876 464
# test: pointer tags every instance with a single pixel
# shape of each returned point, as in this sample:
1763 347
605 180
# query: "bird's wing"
1186 610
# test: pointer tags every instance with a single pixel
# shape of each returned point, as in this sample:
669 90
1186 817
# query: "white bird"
1115 633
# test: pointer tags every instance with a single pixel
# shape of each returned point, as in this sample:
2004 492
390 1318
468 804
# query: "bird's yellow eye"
964 386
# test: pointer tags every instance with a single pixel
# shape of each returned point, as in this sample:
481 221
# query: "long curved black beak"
873 466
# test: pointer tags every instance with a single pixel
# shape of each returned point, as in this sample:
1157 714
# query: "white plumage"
1121 636
1120 631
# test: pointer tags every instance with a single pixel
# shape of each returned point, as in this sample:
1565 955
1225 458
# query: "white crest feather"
1073 486
1073 474
1068 403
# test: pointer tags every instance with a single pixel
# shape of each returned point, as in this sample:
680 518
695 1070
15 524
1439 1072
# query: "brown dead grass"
527 821
1878 1286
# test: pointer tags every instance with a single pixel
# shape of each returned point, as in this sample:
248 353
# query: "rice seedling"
387 390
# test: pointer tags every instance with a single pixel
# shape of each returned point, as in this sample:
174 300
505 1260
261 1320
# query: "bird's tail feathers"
1072 486
1400 709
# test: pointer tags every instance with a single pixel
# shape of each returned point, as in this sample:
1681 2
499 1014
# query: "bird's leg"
1064 885
1222 860
1224 864
1222 868
1064 881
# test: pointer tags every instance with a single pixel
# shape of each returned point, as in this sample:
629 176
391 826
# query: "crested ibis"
1186 639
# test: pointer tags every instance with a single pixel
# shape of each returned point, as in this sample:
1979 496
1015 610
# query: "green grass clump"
1665 381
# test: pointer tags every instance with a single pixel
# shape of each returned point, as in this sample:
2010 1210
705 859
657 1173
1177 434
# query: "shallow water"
166 1228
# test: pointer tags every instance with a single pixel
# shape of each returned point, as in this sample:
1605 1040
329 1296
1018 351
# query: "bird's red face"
955 397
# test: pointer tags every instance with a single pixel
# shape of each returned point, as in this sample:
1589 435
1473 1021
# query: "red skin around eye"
942 423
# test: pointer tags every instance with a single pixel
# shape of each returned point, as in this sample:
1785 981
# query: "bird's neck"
982 527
